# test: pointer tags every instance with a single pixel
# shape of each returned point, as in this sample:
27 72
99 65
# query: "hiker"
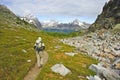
39 47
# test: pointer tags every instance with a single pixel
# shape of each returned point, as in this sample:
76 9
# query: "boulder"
105 73
29 61
117 48
117 66
110 56
57 47
107 50
23 50
116 52
71 53
94 78
61 69
116 61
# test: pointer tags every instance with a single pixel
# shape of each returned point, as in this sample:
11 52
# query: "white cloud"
90 8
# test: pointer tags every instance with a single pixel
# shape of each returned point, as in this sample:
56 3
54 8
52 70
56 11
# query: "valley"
73 51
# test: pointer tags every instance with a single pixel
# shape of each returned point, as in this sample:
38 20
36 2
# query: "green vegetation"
65 35
102 23
13 60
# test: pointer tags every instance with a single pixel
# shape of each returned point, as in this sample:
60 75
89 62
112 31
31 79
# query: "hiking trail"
34 71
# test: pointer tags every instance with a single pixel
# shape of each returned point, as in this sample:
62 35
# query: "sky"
59 10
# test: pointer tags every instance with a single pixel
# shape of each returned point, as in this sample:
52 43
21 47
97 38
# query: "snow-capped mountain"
32 20
74 25
82 25
50 24
77 22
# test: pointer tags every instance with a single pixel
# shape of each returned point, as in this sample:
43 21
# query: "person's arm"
34 46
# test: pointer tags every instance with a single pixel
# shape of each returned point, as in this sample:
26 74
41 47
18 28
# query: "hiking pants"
39 58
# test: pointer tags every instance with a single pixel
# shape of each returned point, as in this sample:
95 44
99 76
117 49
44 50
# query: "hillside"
109 17
16 50
16 38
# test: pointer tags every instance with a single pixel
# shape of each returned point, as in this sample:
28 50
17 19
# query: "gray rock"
117 48
23 50
105 73
29 61
61 69
58 47
116 61
70 53
106 50
94 78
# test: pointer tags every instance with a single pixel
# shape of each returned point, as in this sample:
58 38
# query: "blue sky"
60 10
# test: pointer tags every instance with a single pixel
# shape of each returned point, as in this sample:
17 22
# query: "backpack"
39 46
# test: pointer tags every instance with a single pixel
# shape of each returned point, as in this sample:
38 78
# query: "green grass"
13 62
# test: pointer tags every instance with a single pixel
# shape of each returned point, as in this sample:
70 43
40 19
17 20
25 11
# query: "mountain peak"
78 22
31 16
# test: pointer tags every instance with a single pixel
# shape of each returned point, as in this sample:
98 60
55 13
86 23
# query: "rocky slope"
109 17
103 44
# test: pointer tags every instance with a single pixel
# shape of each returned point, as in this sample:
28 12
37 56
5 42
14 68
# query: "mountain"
83 25
74 25
109 17
50 24
31 20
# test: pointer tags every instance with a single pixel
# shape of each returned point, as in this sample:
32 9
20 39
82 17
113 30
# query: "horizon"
83 10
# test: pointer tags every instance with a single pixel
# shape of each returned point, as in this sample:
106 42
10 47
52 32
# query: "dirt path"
32 74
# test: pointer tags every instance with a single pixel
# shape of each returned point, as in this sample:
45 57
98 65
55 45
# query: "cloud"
89 8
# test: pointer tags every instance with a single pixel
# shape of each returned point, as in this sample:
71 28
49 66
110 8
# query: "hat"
38 40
